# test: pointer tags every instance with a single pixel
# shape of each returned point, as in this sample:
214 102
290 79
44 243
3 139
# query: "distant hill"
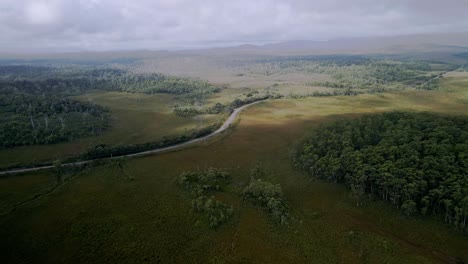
449 43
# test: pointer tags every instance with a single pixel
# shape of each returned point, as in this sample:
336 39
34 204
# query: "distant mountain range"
452 43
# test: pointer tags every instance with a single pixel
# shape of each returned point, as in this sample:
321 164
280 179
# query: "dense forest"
418 162
34 79
29 119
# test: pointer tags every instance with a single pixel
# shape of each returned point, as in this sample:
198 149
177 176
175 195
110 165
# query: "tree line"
36 105
106 151
221 108
77 81
417 162
30 119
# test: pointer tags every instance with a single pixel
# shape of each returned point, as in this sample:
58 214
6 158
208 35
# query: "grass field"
102 215
136 118
456 82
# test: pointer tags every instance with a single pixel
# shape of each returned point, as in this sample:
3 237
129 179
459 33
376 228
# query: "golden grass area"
102 216
140 118
457 83
136 118
276 112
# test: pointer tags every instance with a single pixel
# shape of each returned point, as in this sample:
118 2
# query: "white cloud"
41 12
154 24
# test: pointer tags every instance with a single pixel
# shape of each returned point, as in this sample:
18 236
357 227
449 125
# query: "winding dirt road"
225 126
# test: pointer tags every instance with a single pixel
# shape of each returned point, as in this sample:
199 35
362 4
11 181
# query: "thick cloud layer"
35 25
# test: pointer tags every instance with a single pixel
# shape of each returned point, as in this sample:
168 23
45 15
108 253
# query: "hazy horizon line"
227 45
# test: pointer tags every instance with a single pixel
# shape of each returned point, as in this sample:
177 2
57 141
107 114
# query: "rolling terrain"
133 209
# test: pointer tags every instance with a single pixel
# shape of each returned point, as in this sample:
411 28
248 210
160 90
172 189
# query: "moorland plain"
133 211
292 131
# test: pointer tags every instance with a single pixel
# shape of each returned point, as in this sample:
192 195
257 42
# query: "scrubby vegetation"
268 196
106 151
239 102
186 112
216 212
220 108
216 109
354 72
418 162
340 92
202 183
431 84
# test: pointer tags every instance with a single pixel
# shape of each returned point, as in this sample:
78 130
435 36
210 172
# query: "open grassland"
136 118
457 83
152 115
135 213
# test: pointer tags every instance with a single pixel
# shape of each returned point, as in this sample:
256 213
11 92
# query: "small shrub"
187 112
199 184
270 197
202 182
214 211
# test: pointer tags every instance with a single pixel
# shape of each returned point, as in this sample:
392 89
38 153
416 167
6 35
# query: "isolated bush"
216 109
187 112
201 183
270 197
214 211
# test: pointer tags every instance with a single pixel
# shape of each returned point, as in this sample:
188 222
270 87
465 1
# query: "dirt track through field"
225 126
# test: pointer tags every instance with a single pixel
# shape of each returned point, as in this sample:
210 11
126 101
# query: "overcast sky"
45 25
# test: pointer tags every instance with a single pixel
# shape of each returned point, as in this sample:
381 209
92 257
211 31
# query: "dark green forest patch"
418 162
77 80
28 119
